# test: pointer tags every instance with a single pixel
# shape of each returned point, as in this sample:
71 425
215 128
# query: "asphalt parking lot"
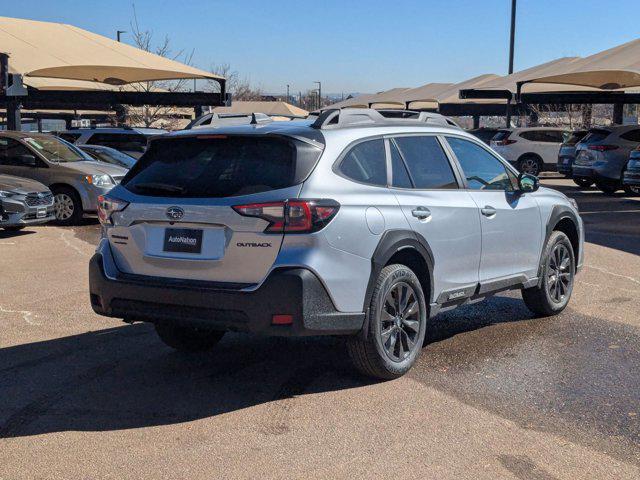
496 393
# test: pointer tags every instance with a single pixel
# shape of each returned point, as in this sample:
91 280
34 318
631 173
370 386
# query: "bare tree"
240 88
154 115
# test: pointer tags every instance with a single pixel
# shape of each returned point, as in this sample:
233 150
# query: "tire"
187 339
631 191
553 293
583 182
529 164
393 343
608 188
14 228
67 206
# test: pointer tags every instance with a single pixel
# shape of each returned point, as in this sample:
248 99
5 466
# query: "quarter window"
631 135
482 170
427 163
366 162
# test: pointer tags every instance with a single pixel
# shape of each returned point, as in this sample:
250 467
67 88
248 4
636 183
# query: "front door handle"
488 211
421 212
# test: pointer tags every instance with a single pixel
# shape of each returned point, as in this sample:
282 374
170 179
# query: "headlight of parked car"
100 180
6 194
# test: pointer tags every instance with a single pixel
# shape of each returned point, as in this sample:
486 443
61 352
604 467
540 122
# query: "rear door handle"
488 211
421 212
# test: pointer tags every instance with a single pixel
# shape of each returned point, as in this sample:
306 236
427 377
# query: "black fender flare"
558 213
391 242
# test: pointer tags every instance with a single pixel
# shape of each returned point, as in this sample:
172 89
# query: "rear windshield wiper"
161 187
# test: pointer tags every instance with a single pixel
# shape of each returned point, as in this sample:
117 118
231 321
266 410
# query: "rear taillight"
292 216
503 143
602 148
107 205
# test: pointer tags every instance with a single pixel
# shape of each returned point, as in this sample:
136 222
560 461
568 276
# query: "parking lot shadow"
4 234
124 378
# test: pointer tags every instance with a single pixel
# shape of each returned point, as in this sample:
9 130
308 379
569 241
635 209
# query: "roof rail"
361 117
216 119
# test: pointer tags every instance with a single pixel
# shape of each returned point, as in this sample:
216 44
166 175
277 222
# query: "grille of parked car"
37 199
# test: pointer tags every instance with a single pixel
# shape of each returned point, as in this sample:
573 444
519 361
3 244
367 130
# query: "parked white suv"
530 150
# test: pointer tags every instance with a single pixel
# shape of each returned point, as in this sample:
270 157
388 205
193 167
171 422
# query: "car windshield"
501 135
54 149
595 135
110 155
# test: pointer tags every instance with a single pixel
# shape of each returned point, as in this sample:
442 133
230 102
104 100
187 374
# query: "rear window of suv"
595 135
220 166
501 135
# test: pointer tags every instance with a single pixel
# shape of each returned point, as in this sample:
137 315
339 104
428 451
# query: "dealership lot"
495 393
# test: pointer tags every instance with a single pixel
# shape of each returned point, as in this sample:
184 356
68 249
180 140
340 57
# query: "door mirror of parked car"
528 183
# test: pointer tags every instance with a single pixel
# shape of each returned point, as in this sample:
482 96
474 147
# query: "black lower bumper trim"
296 292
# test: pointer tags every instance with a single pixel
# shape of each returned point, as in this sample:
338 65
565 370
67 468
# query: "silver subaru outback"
354 224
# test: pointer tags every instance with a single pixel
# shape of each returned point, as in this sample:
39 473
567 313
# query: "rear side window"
132 142
399 174
226 166
428 166
574 137
366 163
631 136
545 136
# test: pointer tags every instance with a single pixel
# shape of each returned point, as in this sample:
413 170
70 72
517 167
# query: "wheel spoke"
403 298
412 325
398 343
386 333
411 309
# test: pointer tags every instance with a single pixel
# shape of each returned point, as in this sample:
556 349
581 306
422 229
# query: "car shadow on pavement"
5 234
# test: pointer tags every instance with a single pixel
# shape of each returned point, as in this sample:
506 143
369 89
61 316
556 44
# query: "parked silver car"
132 141
355 225
76 181
23 202
602 156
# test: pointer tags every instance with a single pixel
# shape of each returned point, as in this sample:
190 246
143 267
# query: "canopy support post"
618 108
14 115
476 121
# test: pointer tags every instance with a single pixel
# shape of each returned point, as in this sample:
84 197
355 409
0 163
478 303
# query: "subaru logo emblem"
174 213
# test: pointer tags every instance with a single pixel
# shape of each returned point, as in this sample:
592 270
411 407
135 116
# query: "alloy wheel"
529 165
559 274
63 206
400 322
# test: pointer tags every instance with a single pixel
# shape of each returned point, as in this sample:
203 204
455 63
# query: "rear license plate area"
182 240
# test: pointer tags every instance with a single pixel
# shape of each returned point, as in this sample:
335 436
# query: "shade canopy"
56 50
283 109
612 69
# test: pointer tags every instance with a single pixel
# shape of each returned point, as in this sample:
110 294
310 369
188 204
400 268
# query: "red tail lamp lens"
603 148
282 319
292 216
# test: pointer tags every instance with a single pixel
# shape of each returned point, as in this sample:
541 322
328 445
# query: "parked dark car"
567 156
631 177
108 155
484 134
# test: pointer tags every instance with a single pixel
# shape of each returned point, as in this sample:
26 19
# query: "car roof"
143 131
533 129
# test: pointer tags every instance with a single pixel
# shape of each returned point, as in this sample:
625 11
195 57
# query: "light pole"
319 93
512 38
288 93
118 33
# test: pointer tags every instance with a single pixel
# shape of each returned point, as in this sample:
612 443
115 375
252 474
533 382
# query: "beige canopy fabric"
283 109
56 50
611 69
365 99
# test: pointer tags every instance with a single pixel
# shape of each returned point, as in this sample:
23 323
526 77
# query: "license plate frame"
41 213
182 240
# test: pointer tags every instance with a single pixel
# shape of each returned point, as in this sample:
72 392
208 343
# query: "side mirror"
528 183
26 160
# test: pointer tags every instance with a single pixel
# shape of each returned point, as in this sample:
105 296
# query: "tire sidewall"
397 275
555 239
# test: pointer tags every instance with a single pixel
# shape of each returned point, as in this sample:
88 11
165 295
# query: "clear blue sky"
357 45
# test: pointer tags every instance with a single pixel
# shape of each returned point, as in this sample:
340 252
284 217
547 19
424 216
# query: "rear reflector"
292 216
602 148
282 320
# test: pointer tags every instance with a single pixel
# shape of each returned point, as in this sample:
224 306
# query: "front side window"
482 170
428 165
366 163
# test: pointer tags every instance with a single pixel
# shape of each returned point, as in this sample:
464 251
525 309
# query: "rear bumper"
564 165
296 292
